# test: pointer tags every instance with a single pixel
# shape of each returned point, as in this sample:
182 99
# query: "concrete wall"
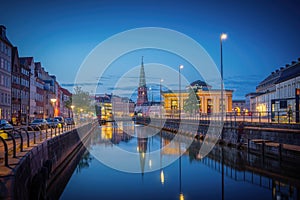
41 164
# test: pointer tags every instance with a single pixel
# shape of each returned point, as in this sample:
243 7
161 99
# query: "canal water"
128 161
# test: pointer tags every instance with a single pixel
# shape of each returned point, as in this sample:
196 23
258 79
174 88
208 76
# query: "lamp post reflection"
181 196
162 176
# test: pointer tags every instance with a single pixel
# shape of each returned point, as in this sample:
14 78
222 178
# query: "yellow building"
209 99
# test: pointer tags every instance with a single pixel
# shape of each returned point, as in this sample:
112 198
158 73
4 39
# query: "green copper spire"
142 75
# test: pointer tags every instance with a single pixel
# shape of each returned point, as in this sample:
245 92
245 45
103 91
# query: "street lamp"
53 101
179 77
222 37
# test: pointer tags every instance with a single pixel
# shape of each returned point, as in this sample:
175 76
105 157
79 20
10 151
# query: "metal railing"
280 117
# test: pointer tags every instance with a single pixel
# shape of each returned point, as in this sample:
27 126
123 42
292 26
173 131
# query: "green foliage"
191 104
81 100
68 103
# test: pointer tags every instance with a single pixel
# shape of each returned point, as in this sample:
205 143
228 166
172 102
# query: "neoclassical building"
209 99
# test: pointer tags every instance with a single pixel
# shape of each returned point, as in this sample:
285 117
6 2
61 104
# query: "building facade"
66 101
39 110
277 95
285 105
25 63
239 106
15 88
209 100
5 75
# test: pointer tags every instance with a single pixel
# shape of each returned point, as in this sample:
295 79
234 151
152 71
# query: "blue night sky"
263 35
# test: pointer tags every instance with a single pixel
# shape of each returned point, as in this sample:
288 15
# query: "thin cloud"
80 84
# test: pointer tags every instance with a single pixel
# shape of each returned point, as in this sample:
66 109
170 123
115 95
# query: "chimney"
2 31
287 65
298 59
293 62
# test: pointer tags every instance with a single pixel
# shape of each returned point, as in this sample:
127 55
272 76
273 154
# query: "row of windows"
4 48
5 64
15 79
24 95
5 81
15 93
24 82
39 85
39 97
287 91
25 72
5 98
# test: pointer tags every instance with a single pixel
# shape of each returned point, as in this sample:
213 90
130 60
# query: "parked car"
42 123
69 121
53 123
61 120
5 125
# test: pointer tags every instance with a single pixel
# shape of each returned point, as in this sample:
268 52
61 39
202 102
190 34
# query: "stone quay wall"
41 164
234 132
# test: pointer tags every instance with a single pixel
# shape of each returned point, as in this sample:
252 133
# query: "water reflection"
84 162
225 173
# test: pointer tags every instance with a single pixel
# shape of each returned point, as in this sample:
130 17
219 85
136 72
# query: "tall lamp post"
222 37
53 101
179 77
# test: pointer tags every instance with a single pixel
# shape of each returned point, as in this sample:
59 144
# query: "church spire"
142 89
142 75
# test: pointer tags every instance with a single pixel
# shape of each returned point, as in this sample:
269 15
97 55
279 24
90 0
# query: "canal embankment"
280 141
28 173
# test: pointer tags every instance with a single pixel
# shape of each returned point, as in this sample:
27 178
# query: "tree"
81 100
191 104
